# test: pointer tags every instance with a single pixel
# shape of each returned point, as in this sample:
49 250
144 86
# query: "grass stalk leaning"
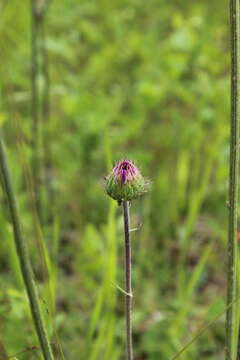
232 313
23 257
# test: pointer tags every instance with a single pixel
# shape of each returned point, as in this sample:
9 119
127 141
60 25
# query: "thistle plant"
124 184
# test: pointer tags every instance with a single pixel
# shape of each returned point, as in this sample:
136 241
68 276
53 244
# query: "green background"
144 80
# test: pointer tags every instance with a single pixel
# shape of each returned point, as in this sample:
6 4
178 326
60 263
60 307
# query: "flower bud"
125 182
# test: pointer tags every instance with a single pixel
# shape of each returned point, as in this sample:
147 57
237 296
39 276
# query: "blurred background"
86 83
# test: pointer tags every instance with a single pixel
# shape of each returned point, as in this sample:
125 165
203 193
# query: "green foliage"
145 80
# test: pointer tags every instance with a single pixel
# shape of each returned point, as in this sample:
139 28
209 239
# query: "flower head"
125 181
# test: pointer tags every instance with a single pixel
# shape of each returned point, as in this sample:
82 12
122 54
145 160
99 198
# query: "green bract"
125 182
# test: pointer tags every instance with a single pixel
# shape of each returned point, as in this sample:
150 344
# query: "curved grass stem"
23 257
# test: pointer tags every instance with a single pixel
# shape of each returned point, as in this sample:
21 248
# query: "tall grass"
35 103
24 261
232 291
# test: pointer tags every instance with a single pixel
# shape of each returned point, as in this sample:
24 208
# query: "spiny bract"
125 182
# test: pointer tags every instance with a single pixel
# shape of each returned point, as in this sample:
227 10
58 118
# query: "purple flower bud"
125 171
124 176
125 182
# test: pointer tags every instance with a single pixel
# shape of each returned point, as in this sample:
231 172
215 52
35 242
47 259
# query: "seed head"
125 182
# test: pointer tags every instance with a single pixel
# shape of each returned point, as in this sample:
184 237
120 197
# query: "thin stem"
35 104
232 313
47 133
128 279
24 258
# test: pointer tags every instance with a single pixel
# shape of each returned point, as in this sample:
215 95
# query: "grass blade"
23 258
232 313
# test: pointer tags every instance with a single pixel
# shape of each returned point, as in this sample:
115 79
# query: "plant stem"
232 313
49 207
128 280
35 105
23 257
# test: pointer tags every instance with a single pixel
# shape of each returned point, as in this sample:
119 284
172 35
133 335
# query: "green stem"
24 258
36 17
232 313
128 279
47 163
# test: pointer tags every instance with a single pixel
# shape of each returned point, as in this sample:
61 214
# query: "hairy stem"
232 313
23 257
128 280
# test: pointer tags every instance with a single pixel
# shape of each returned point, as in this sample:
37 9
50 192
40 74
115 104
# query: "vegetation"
233 274
143 80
